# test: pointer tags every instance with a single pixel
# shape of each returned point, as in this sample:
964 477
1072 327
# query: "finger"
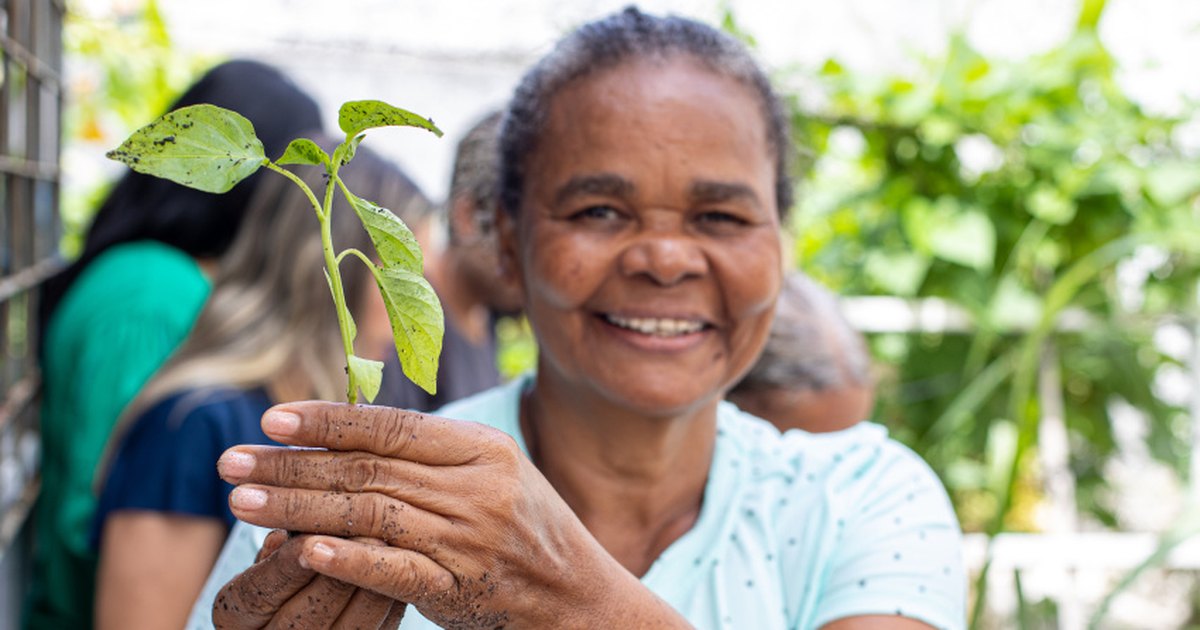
384 431
356 471
317 605
400 574
338 514
251 599
395 616
366 610
273 541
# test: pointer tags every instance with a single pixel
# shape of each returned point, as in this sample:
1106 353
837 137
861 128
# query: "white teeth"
660 327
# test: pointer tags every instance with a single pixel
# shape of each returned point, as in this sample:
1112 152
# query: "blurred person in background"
462 263
267 334
112 317
815 372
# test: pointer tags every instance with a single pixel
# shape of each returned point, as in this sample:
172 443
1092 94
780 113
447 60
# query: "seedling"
210 148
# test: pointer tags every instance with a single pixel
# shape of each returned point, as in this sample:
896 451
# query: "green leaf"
368 374
900 273
417 324
202 146
394 242
968 239
346 150
352 148
303 151
1050 205
354 117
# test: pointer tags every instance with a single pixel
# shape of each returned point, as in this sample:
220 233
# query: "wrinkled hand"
476 535
278 591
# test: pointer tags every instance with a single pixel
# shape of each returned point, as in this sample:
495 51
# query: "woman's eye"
718 217
597 213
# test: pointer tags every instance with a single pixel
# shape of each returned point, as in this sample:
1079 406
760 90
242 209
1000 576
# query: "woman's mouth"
656 326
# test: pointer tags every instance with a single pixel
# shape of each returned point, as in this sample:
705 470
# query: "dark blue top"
167 462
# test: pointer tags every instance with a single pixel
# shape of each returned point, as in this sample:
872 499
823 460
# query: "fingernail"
281 423
319 554
235 464
248 498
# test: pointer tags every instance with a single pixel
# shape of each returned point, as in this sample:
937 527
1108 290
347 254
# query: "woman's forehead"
645 114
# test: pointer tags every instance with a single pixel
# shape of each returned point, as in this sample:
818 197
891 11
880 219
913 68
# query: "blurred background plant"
123 71
1016 190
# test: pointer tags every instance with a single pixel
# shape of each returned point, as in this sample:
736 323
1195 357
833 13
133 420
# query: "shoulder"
196 417
132 282
144 258
855 457
496 407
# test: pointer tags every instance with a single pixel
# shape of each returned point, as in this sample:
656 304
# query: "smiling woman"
644 183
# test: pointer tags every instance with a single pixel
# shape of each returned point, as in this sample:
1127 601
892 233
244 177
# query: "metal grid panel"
30 136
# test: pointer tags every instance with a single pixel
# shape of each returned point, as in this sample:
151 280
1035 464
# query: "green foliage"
125 70
1013 189
212 149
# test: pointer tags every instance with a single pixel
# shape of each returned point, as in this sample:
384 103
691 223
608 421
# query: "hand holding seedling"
212 149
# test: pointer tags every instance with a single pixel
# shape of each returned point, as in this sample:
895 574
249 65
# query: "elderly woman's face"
648 239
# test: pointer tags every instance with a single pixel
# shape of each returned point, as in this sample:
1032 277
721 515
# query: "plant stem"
321 214
361 256
335 284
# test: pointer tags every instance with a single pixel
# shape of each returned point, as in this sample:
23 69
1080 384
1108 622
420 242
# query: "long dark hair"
203 225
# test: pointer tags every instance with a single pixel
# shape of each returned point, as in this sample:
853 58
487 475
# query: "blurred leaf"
1051 206
1174 182
898 273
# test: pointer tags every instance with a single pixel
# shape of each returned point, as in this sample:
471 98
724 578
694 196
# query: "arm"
152 566
876 622
475 535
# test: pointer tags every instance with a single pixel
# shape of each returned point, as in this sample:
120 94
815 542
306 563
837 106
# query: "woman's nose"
665 259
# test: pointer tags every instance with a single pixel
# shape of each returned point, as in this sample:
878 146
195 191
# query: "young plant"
210 148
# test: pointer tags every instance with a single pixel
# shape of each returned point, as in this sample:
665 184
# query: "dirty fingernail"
235 464
320 554
248 498
282 423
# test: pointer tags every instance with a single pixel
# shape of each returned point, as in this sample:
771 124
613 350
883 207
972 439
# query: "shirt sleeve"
167 463
901 547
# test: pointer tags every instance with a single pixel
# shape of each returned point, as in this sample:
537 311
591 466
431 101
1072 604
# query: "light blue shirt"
796 530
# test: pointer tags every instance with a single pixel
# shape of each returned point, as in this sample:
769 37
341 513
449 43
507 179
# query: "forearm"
152 566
